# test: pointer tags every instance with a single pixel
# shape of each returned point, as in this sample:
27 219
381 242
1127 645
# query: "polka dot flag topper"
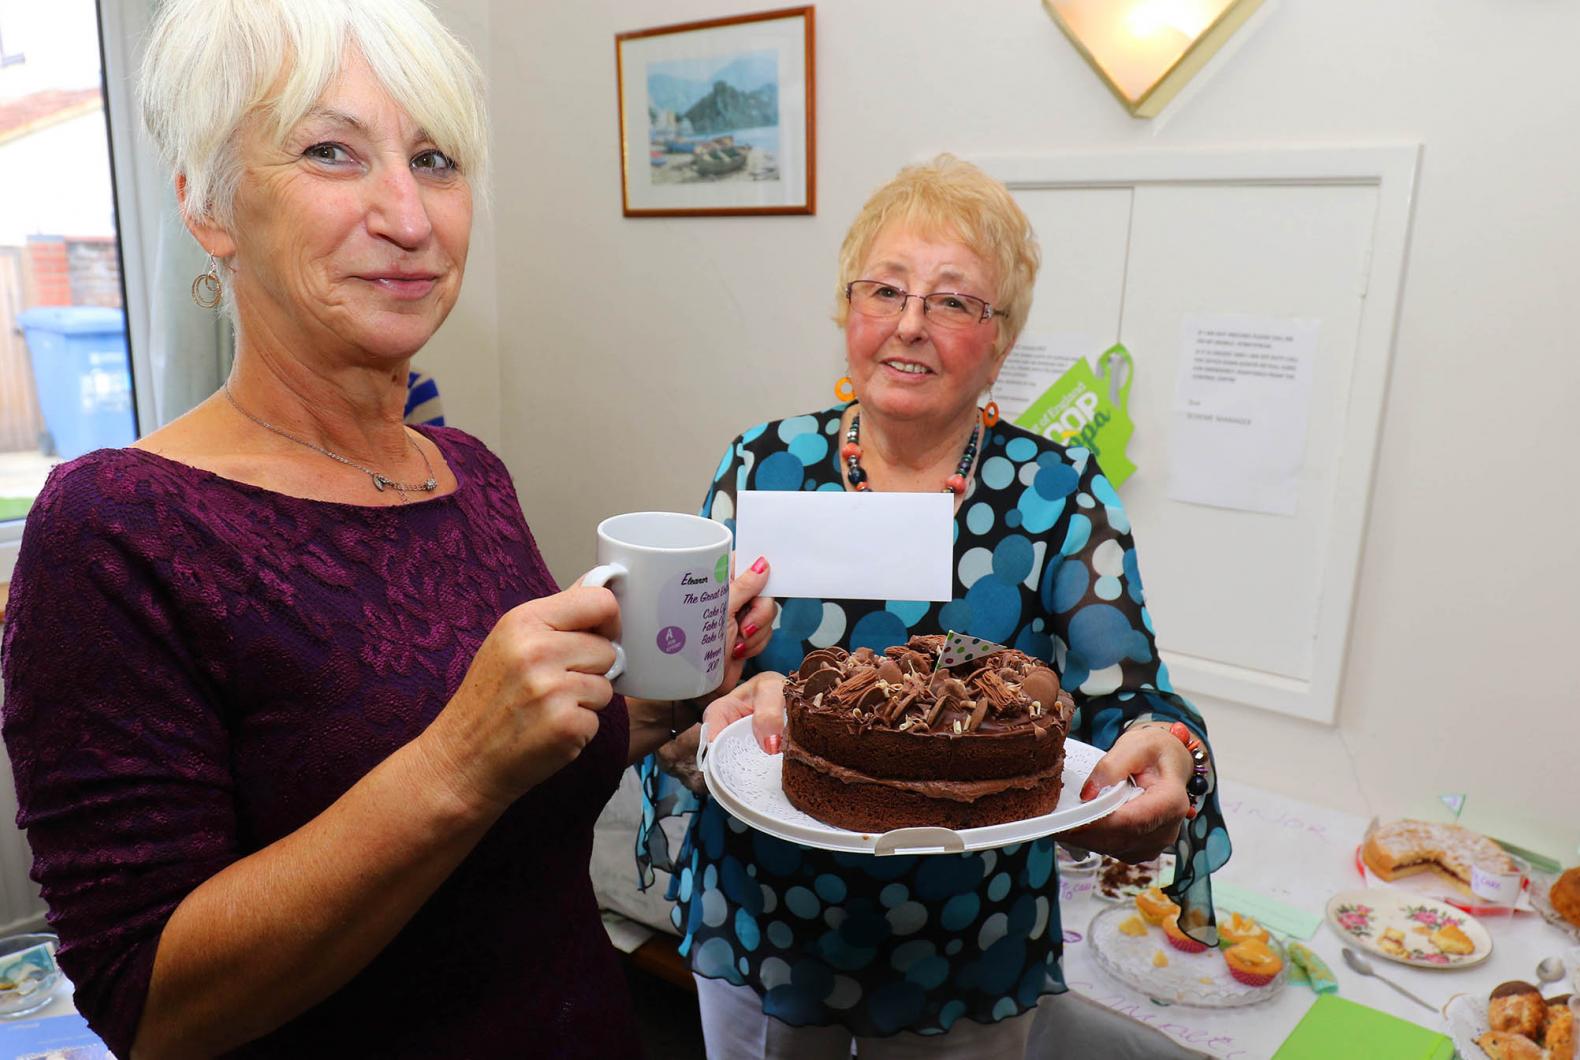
959 648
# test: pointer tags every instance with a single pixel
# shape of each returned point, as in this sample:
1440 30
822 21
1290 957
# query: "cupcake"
1252 962
1177 938
1239 928
1154 906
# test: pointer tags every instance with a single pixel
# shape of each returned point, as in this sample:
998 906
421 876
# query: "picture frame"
717 116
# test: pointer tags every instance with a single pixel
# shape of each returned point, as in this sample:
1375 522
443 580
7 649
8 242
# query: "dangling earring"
990 410
844 389
207 290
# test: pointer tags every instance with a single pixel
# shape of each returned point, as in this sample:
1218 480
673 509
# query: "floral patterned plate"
1400 926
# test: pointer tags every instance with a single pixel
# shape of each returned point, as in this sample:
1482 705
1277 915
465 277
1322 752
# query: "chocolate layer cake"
874 742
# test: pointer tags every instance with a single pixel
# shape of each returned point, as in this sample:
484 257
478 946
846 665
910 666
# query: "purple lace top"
195 667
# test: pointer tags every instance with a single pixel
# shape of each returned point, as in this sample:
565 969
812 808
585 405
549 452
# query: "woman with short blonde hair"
799 952
955 199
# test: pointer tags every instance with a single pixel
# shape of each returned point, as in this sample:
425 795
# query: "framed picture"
716 117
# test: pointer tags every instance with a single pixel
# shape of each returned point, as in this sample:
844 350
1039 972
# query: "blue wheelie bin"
83 377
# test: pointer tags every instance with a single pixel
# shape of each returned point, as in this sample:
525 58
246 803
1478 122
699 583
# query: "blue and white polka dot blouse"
1044 562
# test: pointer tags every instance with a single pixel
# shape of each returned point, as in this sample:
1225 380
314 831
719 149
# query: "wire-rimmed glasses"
874 298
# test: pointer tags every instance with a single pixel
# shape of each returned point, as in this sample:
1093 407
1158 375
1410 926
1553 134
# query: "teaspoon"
1364 967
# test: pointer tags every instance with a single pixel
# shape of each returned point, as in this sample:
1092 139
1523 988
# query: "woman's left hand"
1145 826
763 698
750 623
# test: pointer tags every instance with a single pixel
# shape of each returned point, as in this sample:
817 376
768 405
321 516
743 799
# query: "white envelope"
849 546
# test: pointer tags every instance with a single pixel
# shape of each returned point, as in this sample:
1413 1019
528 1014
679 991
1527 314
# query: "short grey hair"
210 64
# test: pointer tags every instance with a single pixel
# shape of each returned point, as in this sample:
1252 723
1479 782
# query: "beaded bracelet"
1200 782
1198 785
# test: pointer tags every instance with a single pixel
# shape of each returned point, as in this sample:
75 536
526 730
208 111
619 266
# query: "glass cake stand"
1179 978
746 782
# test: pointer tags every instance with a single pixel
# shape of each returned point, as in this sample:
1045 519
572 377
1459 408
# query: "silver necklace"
381 482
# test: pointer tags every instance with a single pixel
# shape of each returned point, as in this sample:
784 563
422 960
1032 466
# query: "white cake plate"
746 782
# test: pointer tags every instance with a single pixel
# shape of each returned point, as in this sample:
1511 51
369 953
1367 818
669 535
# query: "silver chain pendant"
380 481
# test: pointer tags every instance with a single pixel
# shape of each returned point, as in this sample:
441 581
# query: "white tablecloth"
1302 855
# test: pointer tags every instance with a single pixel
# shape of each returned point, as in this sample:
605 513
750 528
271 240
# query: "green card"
1336 1027
1081 409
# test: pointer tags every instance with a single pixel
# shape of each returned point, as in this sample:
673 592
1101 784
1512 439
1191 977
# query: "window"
65 369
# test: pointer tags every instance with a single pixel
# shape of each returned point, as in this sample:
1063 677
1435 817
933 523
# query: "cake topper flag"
959 648
1453 802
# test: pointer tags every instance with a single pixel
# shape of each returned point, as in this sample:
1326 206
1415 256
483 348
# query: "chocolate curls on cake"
875 742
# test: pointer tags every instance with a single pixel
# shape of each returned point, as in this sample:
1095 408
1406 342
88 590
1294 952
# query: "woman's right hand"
762 697
530 699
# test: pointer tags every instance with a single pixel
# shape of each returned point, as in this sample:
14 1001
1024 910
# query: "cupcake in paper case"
1236 928
1253 962
1177 938
1154 906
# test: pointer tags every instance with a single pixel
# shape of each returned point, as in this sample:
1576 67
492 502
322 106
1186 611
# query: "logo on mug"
671 639
721 569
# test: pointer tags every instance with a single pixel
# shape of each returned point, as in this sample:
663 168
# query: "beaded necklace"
851 451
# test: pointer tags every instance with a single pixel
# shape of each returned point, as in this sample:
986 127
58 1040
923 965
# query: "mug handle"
599 576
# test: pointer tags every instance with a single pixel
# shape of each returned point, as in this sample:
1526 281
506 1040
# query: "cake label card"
1495 885
959 648
850 546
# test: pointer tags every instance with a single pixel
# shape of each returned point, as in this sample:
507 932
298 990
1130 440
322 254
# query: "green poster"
1078 410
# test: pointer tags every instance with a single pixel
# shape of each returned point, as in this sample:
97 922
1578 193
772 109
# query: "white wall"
630 351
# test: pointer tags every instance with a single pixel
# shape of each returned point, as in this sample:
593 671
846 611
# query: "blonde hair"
212 63
952 198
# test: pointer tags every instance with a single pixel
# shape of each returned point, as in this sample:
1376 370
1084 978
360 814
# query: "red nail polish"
748 629
740 649
773 744
761 565
1087 792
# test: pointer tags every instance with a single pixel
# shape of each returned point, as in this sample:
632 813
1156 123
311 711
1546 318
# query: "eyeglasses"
951 309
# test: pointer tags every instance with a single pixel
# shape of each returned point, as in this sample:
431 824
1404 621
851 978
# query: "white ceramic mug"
671 575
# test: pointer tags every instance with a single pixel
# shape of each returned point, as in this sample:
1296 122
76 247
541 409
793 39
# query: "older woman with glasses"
797 951
307 742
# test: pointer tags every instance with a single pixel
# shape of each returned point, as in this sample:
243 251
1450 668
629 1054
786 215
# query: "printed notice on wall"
1241 404
1034 364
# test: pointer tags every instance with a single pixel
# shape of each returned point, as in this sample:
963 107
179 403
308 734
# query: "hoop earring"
990 410
208 290
844 389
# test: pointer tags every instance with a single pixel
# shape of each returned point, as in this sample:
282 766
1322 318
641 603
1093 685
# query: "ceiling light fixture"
1146 50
